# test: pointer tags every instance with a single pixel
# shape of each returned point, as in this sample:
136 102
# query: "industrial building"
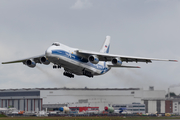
41 98
21 99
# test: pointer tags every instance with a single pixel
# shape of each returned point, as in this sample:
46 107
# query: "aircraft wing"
109 57
123 66
35 59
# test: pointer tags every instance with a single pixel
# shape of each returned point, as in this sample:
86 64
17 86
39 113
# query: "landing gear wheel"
54 66
68 74
87 73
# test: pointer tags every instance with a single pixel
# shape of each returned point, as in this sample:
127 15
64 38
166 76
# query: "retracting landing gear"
87 73
56 66
68 74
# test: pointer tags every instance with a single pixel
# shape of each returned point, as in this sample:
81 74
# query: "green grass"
87 118
1 115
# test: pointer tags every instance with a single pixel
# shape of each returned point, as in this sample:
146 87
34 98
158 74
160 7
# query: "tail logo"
105 46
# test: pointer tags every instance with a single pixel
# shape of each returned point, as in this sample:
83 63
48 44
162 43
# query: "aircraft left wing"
109 57
36 59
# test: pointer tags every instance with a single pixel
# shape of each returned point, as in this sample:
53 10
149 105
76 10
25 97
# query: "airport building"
21 99
150 101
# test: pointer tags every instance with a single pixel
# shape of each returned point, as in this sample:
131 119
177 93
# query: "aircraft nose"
48 52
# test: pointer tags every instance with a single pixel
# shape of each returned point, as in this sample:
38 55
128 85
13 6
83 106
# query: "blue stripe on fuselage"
80 59
69 55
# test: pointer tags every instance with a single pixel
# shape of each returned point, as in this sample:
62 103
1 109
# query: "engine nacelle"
30 63
93 59
44 61
116 61
64 109
109 109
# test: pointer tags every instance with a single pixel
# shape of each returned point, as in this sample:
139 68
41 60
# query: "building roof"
64 88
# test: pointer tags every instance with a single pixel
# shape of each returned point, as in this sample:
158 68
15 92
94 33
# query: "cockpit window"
56 44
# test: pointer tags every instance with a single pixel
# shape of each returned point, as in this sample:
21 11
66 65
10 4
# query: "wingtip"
138 67
4 63
174 60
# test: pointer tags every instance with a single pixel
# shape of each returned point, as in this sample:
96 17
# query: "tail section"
106 45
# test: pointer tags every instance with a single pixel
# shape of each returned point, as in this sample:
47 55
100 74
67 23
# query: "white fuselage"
68 58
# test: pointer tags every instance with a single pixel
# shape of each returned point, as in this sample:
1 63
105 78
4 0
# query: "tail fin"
106 45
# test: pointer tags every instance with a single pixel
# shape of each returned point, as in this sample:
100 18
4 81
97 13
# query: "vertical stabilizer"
106 45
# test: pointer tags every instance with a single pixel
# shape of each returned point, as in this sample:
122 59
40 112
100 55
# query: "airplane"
83 62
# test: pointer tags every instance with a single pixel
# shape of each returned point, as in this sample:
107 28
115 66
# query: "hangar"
37 99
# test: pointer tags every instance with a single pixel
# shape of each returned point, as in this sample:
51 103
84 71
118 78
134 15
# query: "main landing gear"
87 73
68 74
56 66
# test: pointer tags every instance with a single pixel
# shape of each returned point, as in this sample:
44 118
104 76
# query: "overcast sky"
143 28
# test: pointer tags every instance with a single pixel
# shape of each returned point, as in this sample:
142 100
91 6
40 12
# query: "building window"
175 103
123 106
175 106
135 109
175 109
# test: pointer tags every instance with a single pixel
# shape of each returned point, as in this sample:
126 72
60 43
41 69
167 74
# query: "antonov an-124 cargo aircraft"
82 62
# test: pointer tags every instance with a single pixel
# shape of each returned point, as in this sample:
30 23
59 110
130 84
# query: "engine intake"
44 61
30 63
116 61
93 59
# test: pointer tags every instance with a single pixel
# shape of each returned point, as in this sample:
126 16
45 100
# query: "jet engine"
44 61
116 61
30 63
93 59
